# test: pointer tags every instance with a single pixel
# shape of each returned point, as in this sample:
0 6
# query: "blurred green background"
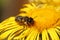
10 8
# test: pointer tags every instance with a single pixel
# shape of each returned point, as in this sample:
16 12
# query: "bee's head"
29 20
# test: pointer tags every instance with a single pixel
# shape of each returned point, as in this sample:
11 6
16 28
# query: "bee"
24 20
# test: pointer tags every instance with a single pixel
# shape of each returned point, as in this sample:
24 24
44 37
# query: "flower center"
45 18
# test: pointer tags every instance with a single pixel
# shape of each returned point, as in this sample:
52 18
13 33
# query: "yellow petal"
34 36
6 34
53 34
45 35
23 34
38 38
31 35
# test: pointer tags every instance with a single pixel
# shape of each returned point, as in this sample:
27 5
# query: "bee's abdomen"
19 18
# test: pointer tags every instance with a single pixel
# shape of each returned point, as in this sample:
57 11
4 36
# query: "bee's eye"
19 18
30 20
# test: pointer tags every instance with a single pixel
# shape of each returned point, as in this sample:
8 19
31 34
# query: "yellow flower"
53 2
46 24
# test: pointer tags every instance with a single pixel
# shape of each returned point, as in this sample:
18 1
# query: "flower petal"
53 34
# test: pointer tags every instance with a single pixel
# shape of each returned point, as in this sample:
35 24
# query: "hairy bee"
24 20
